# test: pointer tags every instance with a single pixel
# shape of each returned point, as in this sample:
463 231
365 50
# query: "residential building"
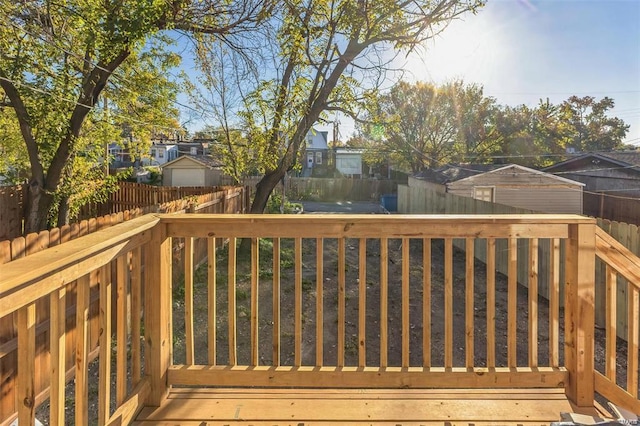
315 153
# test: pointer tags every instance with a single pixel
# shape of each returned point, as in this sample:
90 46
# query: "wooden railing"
378 328
317 301
63 275
229 200
622 276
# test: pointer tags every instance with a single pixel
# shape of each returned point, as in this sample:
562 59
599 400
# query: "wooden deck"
409 407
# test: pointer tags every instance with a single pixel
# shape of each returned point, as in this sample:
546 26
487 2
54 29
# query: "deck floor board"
406 407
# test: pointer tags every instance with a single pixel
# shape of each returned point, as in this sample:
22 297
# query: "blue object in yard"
390 202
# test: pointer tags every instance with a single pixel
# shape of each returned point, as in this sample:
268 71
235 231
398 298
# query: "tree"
424 125
592 129
56 59
329 56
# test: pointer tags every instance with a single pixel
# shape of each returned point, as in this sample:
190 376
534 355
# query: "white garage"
190 170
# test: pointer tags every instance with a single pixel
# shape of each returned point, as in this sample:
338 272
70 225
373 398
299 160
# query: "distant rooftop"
452 173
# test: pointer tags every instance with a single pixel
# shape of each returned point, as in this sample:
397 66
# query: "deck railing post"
157 313
579 313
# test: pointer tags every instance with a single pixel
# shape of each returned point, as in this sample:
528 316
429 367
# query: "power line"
112 73
60 98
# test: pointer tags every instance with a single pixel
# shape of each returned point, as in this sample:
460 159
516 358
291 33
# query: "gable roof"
201 160
626 159
629 157
539 173
451 173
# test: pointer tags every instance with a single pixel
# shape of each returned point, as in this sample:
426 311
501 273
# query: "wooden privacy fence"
330 189
229 200
426 201
133 195
612 207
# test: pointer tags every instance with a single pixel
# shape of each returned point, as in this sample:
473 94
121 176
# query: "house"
119 156
195 147
348 161
192 170
161 153
437 179
614 173
511 185
315 153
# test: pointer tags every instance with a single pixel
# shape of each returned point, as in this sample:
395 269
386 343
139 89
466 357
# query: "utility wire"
60 98
116 76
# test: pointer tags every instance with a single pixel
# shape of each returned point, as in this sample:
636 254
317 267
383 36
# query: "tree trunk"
37 207
264 188
63 212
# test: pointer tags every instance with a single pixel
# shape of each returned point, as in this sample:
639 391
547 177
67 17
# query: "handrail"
618 256
621 261
25 280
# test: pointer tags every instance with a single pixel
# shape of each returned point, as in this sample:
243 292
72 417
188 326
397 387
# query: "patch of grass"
265 273
307 285
241 295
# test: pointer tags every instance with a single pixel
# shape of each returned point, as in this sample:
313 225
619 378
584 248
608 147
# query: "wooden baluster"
491 302
83 291
426 302
611 322
231 296
298 303
25 382
362 303
276 301
136 311
255 270
121 329
533 302
104 378
632 339
57 344
211 300
319 302
468 303
384 298
448 303
554 303
512 303
188 300
341 301
406 330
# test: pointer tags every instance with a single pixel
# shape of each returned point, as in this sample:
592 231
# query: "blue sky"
522 51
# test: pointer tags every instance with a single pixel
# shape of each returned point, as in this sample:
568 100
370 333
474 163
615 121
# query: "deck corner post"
579 312
157 313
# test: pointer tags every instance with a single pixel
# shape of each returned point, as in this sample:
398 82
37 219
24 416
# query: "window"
193 150
318 158
160 153
483 193
153 153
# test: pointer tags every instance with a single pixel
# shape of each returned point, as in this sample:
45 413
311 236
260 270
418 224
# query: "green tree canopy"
57 60
422 125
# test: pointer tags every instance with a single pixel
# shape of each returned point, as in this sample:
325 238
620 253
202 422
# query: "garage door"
187 177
